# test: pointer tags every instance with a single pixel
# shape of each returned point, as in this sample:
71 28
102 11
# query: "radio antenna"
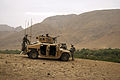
31 31
25 27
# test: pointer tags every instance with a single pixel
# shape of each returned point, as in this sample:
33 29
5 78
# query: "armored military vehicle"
46 47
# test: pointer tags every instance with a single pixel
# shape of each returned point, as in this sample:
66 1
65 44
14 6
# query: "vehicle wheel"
65 57
33 55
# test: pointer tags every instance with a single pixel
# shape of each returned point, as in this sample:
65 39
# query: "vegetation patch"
112 55
10 51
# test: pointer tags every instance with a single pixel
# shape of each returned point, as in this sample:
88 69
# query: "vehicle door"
43 50
52 50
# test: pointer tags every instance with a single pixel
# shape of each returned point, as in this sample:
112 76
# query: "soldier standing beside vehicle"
72 50
25 41
64 46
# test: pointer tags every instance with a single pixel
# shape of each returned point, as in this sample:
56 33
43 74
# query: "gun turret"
46 39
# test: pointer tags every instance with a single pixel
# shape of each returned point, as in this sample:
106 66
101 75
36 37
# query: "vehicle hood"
63 50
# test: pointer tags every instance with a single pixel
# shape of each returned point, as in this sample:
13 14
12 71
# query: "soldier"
25 41
55 39
42 35
72 50
64 46
47 35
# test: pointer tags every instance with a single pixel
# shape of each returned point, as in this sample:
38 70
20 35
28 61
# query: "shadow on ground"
47 59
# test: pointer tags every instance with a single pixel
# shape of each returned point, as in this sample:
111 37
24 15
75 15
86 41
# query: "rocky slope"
4 27
95 29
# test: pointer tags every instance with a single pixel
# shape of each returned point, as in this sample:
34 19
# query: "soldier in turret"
47 35
55 39
72 50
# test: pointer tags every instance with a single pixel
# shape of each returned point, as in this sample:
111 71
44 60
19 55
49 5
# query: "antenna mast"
31 31
25 27
28 28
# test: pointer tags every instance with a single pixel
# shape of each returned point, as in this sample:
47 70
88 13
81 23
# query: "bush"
10 51
112 55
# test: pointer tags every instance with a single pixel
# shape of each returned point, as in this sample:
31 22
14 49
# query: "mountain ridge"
5 27
93 29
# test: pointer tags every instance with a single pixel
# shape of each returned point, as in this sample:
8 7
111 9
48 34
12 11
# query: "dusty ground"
19 67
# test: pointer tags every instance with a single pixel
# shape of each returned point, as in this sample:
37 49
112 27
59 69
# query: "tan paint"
59 51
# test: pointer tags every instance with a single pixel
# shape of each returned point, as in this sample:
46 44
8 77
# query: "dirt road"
19 67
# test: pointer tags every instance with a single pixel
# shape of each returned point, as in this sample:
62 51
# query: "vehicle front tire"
65 57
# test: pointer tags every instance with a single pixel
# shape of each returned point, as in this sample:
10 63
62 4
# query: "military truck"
46 47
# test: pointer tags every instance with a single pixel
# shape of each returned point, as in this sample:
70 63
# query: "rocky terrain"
19 67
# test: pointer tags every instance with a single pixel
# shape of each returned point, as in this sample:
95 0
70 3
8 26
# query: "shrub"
112 55
10 51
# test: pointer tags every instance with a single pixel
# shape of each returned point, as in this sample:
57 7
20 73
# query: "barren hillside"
4 27
95 29
19 67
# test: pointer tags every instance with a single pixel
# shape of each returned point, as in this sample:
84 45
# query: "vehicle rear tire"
33 54
65 57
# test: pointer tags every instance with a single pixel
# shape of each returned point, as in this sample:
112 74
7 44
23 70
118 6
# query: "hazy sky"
16 12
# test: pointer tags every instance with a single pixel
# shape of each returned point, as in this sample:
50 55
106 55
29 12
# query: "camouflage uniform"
64 46
25 41
72 50
47 35
55 39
